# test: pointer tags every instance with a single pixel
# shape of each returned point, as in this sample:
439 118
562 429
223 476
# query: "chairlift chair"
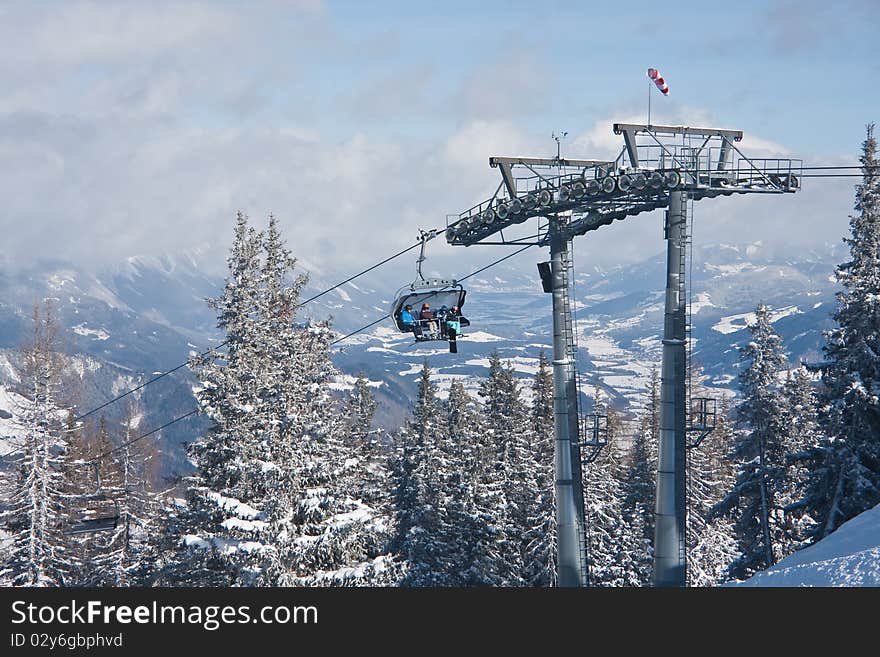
93 521
436 292
90 523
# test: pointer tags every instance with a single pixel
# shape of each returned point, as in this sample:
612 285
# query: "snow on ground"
700 301
444 381
599 345
81 329
848 557
8 371
481 336
728 270
733 323
624 370
10 427
344 382
413 369
83 365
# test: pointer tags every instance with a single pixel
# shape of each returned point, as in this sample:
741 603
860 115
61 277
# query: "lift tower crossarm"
506 165
622 128
544 161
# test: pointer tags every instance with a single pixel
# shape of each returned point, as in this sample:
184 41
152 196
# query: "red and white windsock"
654 74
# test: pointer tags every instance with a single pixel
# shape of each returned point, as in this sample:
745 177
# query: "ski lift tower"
658 167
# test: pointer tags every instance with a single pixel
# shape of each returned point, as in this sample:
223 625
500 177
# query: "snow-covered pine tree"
845 468
640 482
513 462
539 561
79 483
422 535
471 518
127 555
804 436
36 514
266 506
359 411
204 537
364 474
609 544
711 546
366 461
97 490
759 452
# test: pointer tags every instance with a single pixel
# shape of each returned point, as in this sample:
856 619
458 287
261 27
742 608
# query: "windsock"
654 74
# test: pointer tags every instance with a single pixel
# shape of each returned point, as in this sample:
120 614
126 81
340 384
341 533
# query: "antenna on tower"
558 139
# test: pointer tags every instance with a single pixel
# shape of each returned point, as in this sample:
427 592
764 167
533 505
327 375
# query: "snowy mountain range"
146 315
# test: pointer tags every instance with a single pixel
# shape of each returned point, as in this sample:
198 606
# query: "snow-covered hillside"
11 428
148 315
848 557
619 319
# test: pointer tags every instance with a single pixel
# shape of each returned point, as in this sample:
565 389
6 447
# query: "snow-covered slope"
10 427
848 557
619 319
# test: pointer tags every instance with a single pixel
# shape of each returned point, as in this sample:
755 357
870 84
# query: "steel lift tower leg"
670 564
571 557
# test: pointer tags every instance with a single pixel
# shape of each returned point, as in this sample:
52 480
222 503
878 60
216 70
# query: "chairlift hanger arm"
425 236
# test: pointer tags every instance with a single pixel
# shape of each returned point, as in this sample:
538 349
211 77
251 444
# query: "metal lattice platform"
654 160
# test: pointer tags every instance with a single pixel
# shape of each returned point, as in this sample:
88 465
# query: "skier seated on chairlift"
453 321
427 319
441 315
410 322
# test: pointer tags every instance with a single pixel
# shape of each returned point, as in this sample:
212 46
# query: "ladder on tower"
685 298
576 459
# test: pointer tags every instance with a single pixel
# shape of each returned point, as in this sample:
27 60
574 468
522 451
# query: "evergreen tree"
471 525
803 436
36 515
539 567
359 411
640 482
267 505
608 546
511 463
419 497
760 452
711 545
365 466
125 556
845 467
80 488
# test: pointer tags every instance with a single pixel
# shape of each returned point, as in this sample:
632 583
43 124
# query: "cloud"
511 84
392 95
147 127
69 34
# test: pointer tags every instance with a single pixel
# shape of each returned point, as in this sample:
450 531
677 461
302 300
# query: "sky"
140 128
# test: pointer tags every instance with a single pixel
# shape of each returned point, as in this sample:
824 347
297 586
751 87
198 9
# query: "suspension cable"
436 292
141 437
363 328
162 375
